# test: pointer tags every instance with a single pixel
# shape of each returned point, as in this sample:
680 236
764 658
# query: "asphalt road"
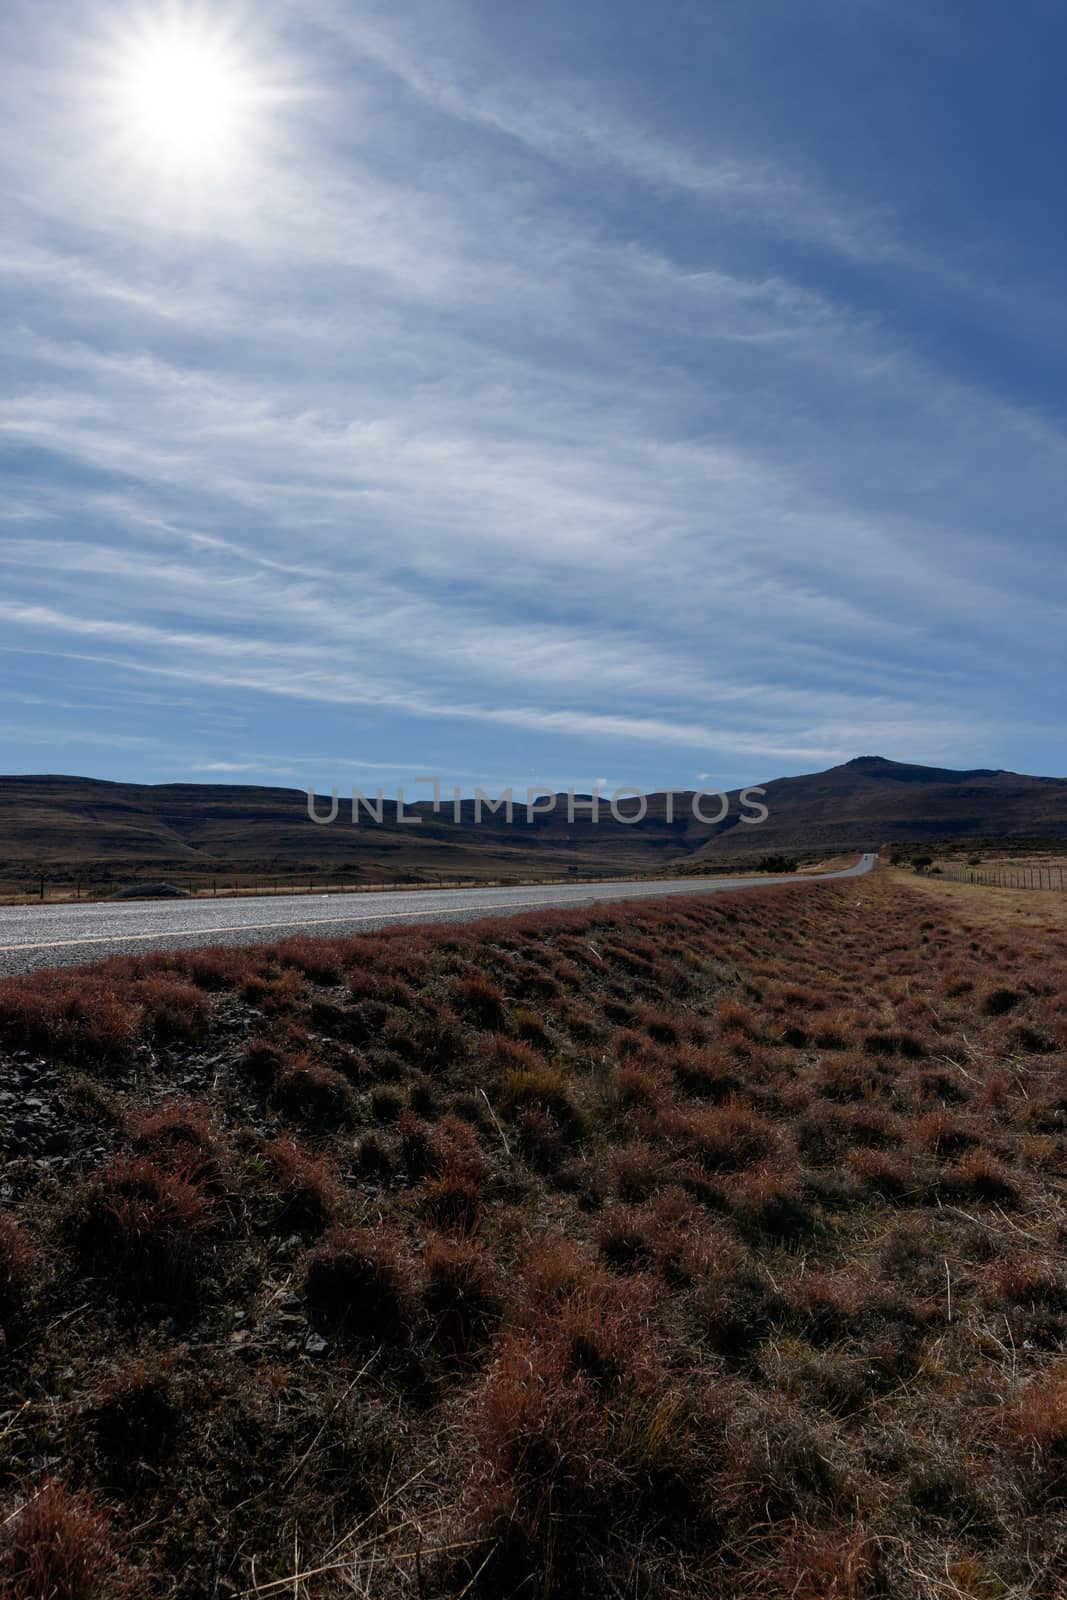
62 936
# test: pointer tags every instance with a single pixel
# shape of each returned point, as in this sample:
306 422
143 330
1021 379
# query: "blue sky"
654 394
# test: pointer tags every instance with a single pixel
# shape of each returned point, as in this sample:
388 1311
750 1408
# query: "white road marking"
587 896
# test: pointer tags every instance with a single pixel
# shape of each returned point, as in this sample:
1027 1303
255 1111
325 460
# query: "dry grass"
56 1548
707 1249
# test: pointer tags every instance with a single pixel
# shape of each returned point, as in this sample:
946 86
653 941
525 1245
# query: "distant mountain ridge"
53 820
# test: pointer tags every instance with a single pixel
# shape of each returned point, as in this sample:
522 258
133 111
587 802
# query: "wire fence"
1009 877
65 887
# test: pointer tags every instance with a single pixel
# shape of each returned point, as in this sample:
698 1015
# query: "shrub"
357 1286
56 1548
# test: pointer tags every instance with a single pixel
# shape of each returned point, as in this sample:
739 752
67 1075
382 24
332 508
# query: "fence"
66 888
1009 877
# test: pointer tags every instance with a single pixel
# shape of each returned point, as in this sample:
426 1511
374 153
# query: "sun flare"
182 96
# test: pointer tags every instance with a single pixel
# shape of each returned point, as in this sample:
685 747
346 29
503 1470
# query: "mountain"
871 801
95 828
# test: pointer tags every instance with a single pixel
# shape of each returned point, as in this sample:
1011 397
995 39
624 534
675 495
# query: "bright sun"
182 95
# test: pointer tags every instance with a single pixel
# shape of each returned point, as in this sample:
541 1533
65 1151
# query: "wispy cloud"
500 405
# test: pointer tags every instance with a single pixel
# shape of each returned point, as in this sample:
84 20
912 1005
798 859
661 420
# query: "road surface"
70 935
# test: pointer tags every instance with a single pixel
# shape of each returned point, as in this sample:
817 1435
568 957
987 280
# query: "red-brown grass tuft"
56 1547
139 1227
173 1010
479 998
1027 1280
318 1097
16 1266
706 1075
636 1086
305 1188
357 1286
978 1175
942 1134
275 993
723 1138
179 1134
771 1203
998 1002
1036 1420
84 1018
811 1565
137 1421
461 1295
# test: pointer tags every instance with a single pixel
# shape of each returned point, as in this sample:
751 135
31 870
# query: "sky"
661 395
